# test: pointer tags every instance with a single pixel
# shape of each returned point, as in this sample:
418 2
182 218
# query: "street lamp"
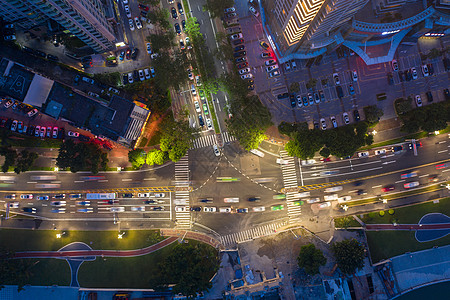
120 235
344 207
436 132
56 169
119 169
374 132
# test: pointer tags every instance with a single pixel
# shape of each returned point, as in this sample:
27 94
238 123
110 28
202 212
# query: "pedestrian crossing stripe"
182 188
209 140
250 234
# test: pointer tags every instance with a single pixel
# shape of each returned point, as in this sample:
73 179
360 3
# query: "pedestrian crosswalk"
183 218
290 181
250 234
209 140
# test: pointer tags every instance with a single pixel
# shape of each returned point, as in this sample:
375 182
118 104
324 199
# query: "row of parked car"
138 75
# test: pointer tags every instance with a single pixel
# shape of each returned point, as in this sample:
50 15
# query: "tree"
193 29
80 156
171 70
304 143
349 255
311 83
225 50
295 87
161 42
188 266
176 138
14 271
373 113
310 258
217 7
325 152
402 106
10 157
137 158
160 16
25 161
156 156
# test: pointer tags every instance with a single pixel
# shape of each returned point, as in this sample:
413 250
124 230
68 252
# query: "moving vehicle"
83 203
333 189
380 152
388 188
277 207
26 196
100 196
408 175
225 209
44 198
363 154
231 200
117 209
330 197
411 184
29 210
355 76
258 208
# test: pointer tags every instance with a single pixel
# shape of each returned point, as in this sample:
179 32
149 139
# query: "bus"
100 196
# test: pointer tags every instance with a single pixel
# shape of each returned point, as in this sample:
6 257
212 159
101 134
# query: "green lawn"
49 271
40 240
132 272
386 244
410 214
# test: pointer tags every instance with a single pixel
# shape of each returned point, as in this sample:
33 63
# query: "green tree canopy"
373 113
156 156
14 271
349 255
79 157
176 138
295 87
217 7
25 161
161 42
310 258
304 143
10 157
137 158
171 70
188 266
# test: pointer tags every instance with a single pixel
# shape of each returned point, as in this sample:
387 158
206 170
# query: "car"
37 130
138 208
380 152
274 73
397 148
117 209
259 209
135 53
418 101
147 74
58 203
197 107
344 198
346 118
9 37
418 145
225 209
26 196
180 8
83 203
130 78
305 101
388 188
216 150
411 184
73 134
271 68
239 54
230 9
265 55
242 210
240 59
429 96
32 112
312 200
209 124
141 6
128 54
19 127
363 154
141 75
425 70
173 11
247 76
209 209
355 76
60 196
394 65
264 45
200 120
143 195
149 48
316 98
31 210
414 73
236 36
277 207
59 210
188 43
351 90
239 48
10 196
253 11
254 199
292 99
299 101
244 71
14 125
323 123
336 79
49 131
131 23
339 91
177 28
238 41
9 103
55 132
270 62
356 115
181 208
196 208
205 109
86 210
127 11
138 23
159 195
324 205
183 26
333 121
182 47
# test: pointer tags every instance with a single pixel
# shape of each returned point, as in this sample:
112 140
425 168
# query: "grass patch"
49 271
41 240
20 140
112 272
410 214
386 244
345 222
143 142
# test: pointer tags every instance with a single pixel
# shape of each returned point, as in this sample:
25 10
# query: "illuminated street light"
120 235
436 132
58 235
119 169
344 207
56 169
374 132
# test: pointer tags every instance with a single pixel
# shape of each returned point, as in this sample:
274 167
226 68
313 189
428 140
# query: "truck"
100 196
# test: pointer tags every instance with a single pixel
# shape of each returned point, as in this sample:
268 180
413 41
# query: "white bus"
100 196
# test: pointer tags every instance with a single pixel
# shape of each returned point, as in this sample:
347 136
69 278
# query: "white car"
414 73
209 124
198 80
127 11
14 125
130 21
346 118
147 74
209 209
247 76
244 71
363 154
312 200
216 150
425 70
270 62
149 48
299 101
130 78
143 195
411 185
394 65
138 23
12 204
181 208
380 152
330 197
138 208
344 198
337 81
117 209
141 75
355 76
418 101
237 36
258 208
159 195
26 196
73 134
274 73
253 11
323 123
271 68
190 75
197 107
32 112
324 205
193 90
333 121
225 209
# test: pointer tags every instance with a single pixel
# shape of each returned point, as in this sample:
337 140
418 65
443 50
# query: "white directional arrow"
315 174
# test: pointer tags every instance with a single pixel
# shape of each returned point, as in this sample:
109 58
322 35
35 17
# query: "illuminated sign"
269 37
434 34
390 32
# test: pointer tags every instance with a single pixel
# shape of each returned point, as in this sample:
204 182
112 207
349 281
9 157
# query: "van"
231 200
257 152
333 189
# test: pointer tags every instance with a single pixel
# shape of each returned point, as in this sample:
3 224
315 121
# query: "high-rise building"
85 19
305 29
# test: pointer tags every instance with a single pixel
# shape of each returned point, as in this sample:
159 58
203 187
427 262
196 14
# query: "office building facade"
86 19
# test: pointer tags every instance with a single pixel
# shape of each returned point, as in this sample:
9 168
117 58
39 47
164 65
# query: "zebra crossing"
183 218
250 234
209 140
290 181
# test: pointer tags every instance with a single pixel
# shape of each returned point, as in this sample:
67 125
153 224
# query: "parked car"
418 101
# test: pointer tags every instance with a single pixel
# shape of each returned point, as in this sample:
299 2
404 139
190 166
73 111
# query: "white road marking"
149 178
421 176
105 180
127 179
400 181
377 186
389 162
441 142
443 151
31 182
446 170
78 181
